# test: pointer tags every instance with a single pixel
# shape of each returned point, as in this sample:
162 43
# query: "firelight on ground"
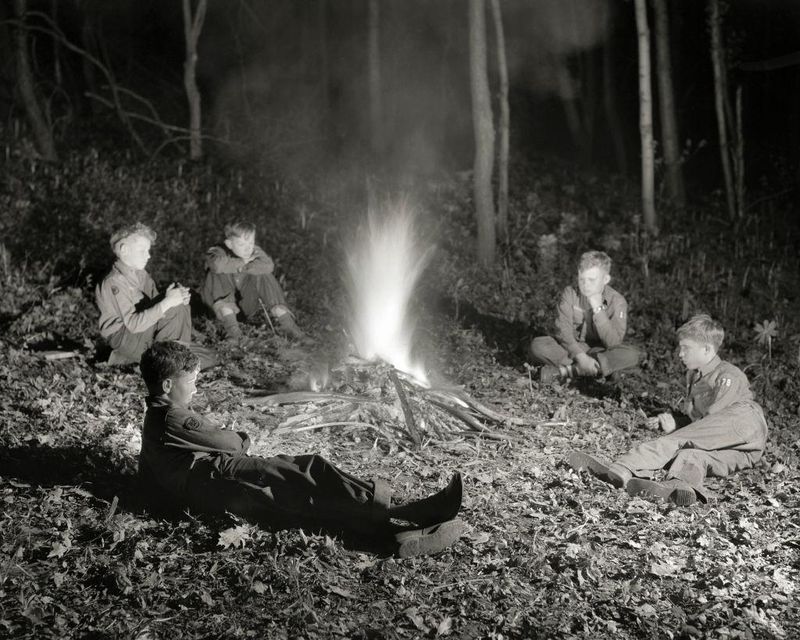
383 269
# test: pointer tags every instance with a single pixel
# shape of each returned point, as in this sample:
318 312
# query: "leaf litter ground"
548 552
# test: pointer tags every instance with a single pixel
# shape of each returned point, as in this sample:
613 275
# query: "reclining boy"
206 468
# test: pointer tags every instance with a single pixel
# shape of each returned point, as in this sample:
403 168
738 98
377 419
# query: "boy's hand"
595 300
666 422
586 365
176 295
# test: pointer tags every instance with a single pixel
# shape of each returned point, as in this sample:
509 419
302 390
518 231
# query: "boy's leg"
128 347
295 490
255 290
545 350
617 358
176 324
740 427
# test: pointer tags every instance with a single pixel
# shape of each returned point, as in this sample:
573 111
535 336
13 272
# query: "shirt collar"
158 401
126 271
709 366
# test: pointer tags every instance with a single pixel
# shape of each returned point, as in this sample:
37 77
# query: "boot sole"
677 495
580 461
430 540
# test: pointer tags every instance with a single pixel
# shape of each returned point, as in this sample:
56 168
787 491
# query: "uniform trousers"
717 445
175 324
546 350
244 292
288 491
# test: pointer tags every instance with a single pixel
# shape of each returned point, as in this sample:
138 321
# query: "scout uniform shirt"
125 299
173 439
578 328
714 387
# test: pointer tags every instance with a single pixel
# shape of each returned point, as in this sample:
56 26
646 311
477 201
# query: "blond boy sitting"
133 314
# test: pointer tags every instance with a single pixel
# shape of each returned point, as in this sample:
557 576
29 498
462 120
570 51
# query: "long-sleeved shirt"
220 259
173 438
712 388
126 298
579 328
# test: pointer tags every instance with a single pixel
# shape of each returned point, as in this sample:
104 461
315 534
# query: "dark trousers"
243 292
176 324
288 491
546 350
717 445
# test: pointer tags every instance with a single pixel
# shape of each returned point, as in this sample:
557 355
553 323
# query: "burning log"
393 404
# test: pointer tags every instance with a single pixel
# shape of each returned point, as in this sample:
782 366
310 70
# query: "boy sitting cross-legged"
590 327
722 429
133 314
239 278
205 467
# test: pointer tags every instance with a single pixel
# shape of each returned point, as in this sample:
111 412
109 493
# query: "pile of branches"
375 395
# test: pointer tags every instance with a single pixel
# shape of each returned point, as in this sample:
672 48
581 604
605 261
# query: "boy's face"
181 387
592 281
134 252
695 354
242 246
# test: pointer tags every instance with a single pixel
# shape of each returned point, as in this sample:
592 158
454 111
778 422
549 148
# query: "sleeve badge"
621 314
114 289
192 423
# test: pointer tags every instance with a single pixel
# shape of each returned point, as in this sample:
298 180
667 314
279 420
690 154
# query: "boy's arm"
260 263
612 323
188 430
218 260
731 385
565 325
120 298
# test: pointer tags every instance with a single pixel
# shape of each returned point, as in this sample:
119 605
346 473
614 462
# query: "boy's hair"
704 329
239 229
595 259
137 229
164 360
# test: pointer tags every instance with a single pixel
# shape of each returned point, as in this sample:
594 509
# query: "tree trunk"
612 113
373 52
41 129
502 152
666 102
646 119
720 97
483 127
192 26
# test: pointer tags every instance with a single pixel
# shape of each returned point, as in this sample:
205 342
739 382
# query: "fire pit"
385 388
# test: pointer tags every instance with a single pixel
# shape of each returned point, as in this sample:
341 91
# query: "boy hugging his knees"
132 313
590 327
205 467
721 429
239 278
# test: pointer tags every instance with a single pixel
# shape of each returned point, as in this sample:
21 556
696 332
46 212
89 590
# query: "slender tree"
375 103
666 102
192 26
503 149
646 118
42 132
612 112
721 101
483 127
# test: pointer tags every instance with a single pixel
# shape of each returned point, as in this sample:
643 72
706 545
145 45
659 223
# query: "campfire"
384 387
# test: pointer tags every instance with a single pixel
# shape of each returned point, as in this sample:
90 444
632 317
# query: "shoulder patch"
191 423
723 382
114 289
621 313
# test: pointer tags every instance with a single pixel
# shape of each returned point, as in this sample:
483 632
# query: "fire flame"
383 268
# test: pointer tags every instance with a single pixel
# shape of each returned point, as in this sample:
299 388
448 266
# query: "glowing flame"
383 269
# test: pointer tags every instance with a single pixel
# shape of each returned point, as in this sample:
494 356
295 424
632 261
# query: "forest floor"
548 553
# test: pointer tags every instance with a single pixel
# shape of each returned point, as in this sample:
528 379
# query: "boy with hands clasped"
720 431
132 313
590 327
